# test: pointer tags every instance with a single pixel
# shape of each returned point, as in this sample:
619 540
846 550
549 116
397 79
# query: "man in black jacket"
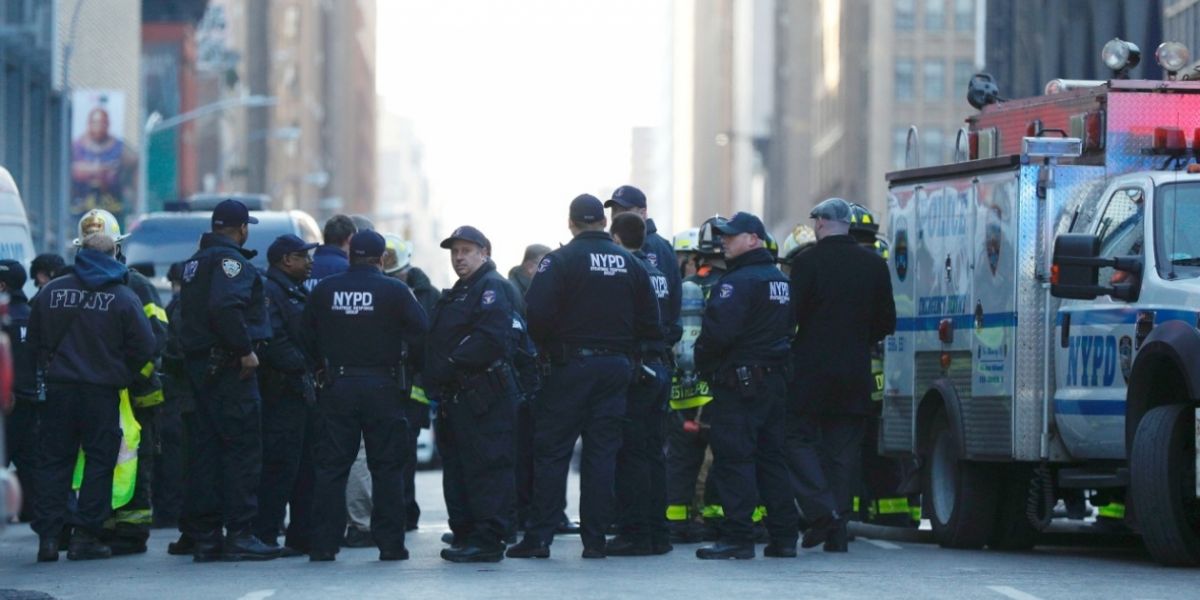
91 336
20 427
285 382
841 291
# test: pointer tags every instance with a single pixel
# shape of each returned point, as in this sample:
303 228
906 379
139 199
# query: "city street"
874 569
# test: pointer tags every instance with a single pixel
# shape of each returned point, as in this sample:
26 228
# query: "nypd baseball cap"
467 233
12 273
627 196
368 244
586 208
231 213
833 209
287 244
742 222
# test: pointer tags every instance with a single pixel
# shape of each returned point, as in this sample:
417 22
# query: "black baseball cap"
586 208
467 233
287 244
12 273
231 213
742 222
627 196
368 244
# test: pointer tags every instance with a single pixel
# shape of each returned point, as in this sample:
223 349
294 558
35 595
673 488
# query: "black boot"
726 550
184 546
242 545
838 540
356 538
780 550
821 530
47 549
474 553
400 553
529 548
206 548
629 546
85 546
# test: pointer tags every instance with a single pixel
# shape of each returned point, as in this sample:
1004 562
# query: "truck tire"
1163 483
960 494
1012 529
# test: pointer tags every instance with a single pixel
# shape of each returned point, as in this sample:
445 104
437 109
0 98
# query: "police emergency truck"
1047 289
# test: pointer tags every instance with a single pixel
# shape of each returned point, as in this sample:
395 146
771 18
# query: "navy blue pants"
582 397
75 416
21 437
300 511
285 419
478 458
351 409
225 452
641 464
750 460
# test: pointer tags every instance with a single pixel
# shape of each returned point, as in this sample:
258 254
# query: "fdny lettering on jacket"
71 298
353 303
608 264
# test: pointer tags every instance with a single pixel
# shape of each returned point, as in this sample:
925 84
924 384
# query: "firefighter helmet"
708 240
687 241
772 246
862 221
98 221
397 253
802 236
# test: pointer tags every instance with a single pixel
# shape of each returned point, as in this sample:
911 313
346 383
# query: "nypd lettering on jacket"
353 303
660 285
608 264
1092 360
72 298
780 292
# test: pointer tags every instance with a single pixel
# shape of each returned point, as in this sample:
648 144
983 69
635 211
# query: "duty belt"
344 371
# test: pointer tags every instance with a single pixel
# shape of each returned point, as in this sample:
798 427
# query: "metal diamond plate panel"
986 426
1132 117
897 425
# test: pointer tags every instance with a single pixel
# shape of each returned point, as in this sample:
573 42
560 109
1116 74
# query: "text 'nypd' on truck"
1048 292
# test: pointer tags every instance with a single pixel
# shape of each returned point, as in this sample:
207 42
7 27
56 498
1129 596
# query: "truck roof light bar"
1052 147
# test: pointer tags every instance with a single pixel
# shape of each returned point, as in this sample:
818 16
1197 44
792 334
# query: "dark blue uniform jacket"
662 292
593 294
17 328
327 260
285 307
661 254
748 319
472 327
222 300
108 341
359 318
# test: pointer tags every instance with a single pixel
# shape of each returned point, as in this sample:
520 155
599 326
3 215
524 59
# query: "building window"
933 147
899 143
935 14
964 15
904 80
906 17
934 79
963 70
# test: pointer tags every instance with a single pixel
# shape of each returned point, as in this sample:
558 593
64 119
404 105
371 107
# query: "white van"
15 239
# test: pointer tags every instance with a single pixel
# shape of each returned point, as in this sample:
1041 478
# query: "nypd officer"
469 367
591 306
743 349
285 381
226 318
354 323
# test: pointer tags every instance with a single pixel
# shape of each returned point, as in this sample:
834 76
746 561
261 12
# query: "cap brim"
448 242
308 246
614 202
252 220
726 229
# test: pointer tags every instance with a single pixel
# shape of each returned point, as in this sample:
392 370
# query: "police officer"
641 470
591 306
175 422
742 349
841 291
332 257
357 326
469 363
20 426
90 336
285 383
225 313
658 252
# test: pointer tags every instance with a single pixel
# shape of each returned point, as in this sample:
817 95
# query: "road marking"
1013 593
882 544
258 595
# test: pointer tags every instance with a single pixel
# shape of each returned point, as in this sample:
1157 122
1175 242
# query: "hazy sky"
523 104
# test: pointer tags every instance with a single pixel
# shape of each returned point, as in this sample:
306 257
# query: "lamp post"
156 123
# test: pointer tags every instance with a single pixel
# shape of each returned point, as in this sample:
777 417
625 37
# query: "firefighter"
590 306
742 348
687 427
685 244
800 239
358 324
225 320
129 528
470 365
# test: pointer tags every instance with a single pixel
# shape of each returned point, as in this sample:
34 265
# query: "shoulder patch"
726 290
489 297
231 267
544 265
653 258
189 270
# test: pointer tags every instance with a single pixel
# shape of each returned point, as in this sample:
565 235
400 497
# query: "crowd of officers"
694 370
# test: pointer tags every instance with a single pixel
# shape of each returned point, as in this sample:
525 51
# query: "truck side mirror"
1076 269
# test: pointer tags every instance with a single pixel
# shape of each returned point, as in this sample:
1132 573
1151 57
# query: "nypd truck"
1047 288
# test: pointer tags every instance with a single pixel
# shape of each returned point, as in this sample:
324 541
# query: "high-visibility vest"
125 473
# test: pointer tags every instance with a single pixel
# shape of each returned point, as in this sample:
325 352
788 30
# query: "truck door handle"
1066 329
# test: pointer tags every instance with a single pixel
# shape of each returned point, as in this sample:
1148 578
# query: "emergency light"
1051 147
1172 57
1121 56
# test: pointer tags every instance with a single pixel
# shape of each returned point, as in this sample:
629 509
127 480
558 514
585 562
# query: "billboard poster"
103 166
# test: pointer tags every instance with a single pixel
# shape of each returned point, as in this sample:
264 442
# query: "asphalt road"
874 569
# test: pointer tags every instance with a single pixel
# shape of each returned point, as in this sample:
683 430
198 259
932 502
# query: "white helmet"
98 221
687 241
397 255
800 237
